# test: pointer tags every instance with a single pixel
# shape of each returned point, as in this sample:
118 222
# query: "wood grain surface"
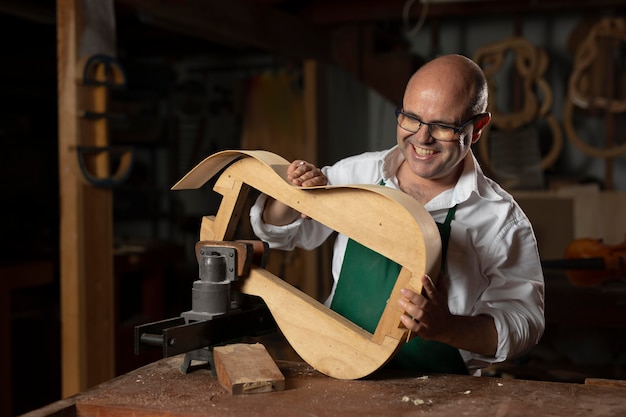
161 390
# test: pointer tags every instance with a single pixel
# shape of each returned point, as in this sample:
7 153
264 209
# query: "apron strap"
444 231
363 288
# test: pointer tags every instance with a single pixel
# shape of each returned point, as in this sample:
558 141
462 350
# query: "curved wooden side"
385 220
323 338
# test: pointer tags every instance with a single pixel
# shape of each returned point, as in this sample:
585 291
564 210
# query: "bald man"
488 304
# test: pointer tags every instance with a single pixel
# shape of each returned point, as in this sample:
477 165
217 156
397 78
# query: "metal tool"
219 314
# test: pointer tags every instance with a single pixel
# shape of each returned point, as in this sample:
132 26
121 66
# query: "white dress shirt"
493 265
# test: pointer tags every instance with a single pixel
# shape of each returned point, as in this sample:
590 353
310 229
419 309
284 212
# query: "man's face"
434 99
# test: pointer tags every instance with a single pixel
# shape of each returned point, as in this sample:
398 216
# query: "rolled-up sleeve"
302 233
515 294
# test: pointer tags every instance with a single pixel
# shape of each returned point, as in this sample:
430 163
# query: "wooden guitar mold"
385 220
602 92
531 64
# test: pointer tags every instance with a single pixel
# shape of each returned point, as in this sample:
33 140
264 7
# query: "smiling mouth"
422 151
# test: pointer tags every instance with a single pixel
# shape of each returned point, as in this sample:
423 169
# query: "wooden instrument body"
612 258
385 220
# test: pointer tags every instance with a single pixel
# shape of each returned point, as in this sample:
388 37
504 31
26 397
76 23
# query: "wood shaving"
416 401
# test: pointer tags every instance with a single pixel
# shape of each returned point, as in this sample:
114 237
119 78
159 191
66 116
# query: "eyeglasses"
437 131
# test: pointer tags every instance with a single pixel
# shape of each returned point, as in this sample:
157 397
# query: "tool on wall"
99 74
395 225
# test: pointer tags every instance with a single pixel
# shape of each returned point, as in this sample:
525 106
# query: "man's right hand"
302 174
305 175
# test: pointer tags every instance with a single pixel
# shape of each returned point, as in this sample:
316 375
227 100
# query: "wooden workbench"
160 389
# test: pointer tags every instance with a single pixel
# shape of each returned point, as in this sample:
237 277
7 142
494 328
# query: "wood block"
616 383
247 369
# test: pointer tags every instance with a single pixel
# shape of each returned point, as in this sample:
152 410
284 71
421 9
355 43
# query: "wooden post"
86 242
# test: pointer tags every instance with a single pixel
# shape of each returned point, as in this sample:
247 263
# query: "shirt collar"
391 163
472 180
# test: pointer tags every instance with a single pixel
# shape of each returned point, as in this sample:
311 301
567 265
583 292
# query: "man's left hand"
427 314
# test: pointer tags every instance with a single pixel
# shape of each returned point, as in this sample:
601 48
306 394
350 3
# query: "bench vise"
220 314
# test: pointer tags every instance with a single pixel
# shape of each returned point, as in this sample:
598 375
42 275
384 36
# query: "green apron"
363 288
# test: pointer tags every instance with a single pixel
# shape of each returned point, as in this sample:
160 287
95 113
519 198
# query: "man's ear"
481 122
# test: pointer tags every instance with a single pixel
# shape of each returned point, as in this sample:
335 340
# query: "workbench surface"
160 389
